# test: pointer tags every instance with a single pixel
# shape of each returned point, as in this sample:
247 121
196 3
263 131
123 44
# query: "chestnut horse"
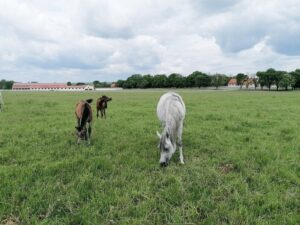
102 105
84 117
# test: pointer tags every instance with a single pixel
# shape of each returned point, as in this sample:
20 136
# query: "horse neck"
170 127
103 103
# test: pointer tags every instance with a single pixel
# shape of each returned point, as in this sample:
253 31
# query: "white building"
50 87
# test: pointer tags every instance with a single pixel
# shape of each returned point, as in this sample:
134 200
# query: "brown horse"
102 105
84 115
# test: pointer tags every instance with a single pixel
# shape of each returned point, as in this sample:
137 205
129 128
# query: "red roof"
232 82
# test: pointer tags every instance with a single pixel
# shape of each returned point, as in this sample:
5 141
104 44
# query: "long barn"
50 87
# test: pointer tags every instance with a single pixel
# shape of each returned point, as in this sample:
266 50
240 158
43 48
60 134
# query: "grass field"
242 157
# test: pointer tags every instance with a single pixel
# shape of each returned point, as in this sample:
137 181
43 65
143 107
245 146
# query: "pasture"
241 149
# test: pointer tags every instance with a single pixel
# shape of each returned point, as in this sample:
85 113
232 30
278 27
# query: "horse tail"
85 115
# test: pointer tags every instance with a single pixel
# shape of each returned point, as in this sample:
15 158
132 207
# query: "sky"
107 40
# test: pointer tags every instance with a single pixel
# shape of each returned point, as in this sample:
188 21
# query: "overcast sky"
107 40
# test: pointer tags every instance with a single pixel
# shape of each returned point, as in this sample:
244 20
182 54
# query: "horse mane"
85 115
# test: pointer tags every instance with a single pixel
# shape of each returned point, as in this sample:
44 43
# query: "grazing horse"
171 112
84 117
102 105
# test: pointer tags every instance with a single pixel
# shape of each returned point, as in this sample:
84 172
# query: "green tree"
133 81
261 79
226 80
120 83
277 77
105 84
240 79
255 82
176 80
287 81
160 81
6 84
217 81
296 75
203 81
143 83
198 79
97 84
270 75
148 80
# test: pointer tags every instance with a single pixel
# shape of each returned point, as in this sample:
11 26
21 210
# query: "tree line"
281 79
268 78
174 80
263 79
271 77
96 83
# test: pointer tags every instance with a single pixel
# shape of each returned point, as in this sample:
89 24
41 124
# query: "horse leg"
86 138
102 113
78 124
179 142
97 113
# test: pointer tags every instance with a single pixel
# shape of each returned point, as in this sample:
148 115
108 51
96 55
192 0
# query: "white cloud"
109 40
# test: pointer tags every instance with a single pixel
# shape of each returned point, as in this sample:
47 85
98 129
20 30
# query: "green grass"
241 152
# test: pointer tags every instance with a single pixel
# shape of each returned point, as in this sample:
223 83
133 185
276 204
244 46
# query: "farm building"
232 83
50 87
113 85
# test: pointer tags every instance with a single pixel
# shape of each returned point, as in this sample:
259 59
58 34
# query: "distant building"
249 83
113 85
232 83
50 87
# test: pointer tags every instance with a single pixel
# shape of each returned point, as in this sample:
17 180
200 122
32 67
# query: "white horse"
171 112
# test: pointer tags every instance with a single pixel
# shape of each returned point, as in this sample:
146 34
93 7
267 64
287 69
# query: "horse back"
101 104
84 107
170 105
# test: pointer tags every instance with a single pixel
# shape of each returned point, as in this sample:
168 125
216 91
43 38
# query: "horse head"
105 98
167 147
81 132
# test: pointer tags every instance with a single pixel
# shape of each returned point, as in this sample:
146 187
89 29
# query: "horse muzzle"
164 164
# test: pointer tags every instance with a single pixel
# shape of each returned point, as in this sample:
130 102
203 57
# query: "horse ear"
89 100
158 134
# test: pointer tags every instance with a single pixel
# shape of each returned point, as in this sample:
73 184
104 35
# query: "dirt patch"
226 168
10 221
